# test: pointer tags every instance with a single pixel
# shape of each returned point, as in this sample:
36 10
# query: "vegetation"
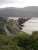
12 26
22 40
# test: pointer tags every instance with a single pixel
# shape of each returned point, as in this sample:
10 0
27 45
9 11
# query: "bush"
22 41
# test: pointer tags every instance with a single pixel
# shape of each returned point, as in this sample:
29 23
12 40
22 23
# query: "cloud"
11 3
18 3
6 1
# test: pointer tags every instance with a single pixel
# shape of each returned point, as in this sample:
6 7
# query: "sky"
18 3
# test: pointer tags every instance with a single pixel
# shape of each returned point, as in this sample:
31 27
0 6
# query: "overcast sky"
18 3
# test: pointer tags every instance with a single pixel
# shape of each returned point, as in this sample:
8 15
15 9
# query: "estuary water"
31 25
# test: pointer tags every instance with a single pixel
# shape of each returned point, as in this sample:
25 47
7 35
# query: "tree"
24 41
12 27
20 22
35 40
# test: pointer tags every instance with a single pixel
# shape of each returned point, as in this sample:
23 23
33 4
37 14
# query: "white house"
15 18
31 25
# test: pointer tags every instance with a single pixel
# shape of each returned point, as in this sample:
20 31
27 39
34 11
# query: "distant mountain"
31 11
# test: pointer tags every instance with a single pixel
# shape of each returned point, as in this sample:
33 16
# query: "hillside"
27 11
